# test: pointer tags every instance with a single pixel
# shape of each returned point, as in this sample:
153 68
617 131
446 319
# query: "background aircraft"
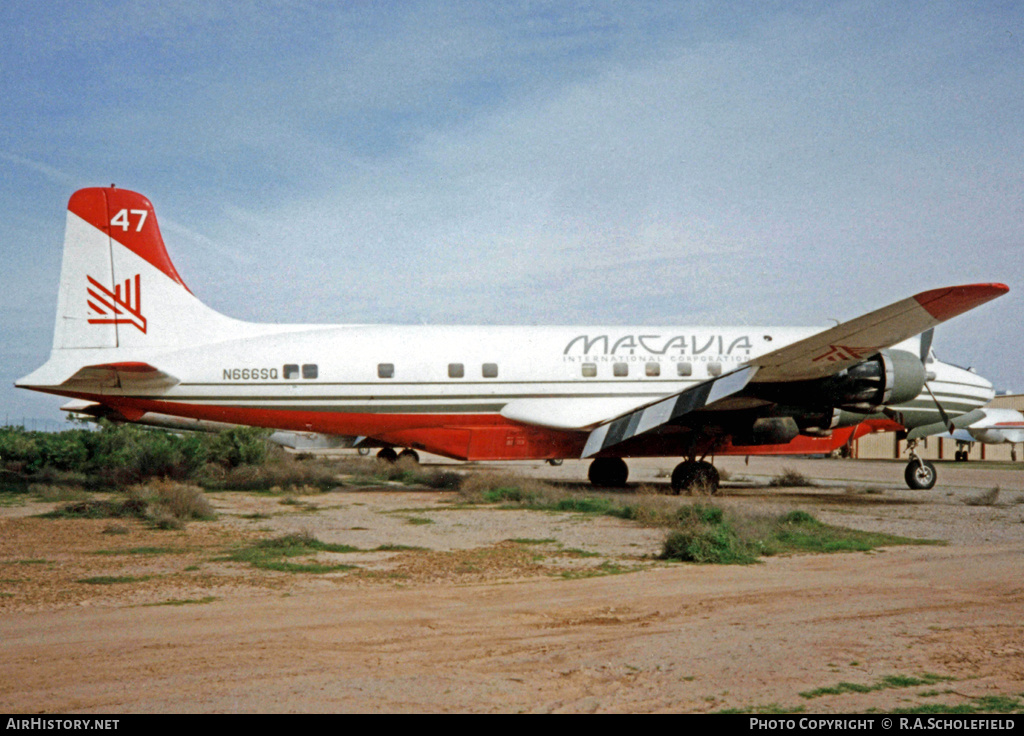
131 336
994 426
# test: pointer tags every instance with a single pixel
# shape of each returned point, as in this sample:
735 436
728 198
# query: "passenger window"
653 369
590 370
291 371
385 370
309 370
684 369
714 369
620 369
456 370
490 370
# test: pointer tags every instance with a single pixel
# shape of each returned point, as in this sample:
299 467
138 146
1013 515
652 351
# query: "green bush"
238 446
119 454
705 535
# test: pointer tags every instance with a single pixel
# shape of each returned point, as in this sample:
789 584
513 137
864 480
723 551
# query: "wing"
819 356
852 342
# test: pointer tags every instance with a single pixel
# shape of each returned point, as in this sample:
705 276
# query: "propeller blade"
942 412
926 343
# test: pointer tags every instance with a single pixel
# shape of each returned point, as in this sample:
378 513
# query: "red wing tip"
943 304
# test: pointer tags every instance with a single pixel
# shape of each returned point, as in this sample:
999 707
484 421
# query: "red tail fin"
128 218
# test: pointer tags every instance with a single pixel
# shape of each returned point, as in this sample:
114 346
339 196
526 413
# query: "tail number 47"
121 219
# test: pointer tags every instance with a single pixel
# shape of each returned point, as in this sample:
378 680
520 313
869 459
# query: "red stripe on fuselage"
459 436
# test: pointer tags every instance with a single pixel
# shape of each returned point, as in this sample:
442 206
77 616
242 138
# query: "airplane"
130 335
994 426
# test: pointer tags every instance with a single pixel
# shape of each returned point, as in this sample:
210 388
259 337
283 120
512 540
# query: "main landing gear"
695 476
690 476
920 473
608 472
388 455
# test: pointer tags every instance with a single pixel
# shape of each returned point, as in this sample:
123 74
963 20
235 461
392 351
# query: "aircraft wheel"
556 461
695 476
387 455
409 455
608 472
363 450
920 475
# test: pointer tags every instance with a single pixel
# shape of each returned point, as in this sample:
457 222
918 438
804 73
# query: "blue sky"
526 163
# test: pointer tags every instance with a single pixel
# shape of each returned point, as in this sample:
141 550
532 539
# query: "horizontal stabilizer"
849 343
664 411
128 377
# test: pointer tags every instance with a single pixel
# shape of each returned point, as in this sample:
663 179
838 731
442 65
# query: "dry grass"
985 498
171 503
279 475
53 492
494 486
790 478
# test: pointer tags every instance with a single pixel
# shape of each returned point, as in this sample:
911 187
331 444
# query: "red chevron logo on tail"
122 306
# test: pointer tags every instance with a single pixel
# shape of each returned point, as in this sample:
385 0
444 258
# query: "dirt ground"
444 607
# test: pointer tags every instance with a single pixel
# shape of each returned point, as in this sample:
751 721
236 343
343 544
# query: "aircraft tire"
920 475
608 472
408 454
387 455
555 461
693 476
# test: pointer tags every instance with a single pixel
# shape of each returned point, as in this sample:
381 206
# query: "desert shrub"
442 480
705 535
181 501
12 482
129 508
700 513
798 517
496 486
122 454
282 474
238 446
55 492
166 504
789 478
985 498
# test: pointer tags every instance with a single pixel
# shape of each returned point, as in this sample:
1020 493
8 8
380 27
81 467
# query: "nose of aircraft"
959 389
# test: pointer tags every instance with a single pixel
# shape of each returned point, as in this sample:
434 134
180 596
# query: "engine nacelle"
887 378
767 431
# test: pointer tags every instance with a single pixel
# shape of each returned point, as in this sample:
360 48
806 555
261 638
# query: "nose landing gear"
920 474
